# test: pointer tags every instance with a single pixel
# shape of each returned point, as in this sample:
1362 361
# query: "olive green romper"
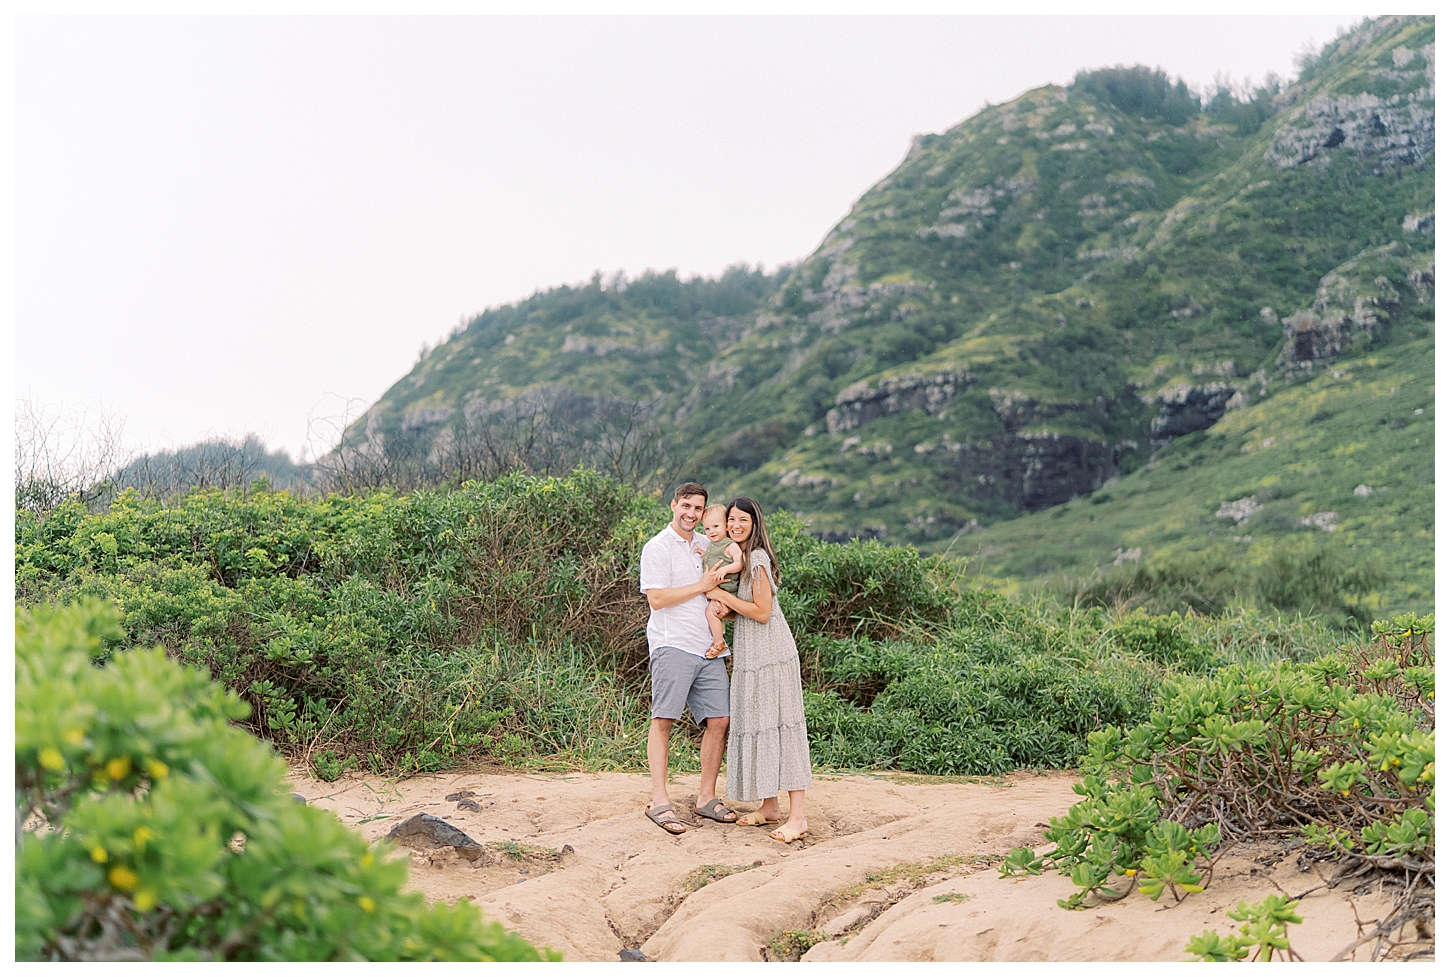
715 554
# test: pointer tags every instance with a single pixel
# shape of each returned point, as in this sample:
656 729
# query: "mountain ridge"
1032 304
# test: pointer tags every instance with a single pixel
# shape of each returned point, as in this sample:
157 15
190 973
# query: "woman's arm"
757 609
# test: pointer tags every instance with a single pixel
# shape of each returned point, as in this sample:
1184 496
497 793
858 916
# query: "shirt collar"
669 533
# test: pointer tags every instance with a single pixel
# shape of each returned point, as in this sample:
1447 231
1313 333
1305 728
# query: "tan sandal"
785 838
716 650
754 820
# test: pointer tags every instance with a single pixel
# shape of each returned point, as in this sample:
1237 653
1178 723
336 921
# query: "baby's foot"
716 650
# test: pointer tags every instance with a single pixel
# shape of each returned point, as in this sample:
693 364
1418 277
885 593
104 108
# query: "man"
671 576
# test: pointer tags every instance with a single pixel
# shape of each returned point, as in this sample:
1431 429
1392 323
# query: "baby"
721 550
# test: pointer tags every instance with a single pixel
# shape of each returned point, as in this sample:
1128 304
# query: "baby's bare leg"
717 629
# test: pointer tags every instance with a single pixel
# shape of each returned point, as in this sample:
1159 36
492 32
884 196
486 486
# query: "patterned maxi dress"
767 752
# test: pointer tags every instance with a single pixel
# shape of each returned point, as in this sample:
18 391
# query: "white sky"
227 225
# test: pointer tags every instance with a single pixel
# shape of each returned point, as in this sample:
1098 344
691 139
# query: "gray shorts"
678 678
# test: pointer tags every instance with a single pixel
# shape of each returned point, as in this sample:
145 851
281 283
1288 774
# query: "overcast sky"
228 225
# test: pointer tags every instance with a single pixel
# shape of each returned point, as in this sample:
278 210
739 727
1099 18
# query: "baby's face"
714 525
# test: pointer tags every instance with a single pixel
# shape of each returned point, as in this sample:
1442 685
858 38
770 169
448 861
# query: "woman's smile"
738 525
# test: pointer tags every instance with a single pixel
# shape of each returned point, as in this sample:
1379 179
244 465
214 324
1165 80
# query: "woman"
767 749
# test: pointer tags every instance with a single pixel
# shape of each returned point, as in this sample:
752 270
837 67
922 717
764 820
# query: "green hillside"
1066 330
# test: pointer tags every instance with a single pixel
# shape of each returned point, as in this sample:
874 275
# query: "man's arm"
662 597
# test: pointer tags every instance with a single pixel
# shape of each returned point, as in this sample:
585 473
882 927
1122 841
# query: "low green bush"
158 830
1339 750
502 621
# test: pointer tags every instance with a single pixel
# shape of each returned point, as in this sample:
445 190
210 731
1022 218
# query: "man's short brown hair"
690 488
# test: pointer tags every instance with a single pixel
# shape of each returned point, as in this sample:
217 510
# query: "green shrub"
166 833
503 621
859 588
1339 749
402 632
1265 932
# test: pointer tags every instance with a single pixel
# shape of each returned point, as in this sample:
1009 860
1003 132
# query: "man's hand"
662 597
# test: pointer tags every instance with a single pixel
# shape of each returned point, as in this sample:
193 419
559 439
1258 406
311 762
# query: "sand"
895 868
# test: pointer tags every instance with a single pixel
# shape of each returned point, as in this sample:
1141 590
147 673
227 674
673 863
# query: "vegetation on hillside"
502 621
1333 469
157 830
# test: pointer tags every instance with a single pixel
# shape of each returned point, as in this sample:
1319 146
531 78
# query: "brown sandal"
666 818
716 810
716 650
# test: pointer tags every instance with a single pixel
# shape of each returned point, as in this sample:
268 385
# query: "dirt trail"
895 868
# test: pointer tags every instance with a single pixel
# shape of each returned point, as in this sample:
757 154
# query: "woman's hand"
757 609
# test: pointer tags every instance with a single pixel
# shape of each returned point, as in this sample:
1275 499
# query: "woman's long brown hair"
757 540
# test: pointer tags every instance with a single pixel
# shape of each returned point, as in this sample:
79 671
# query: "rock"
1121 556
1184 408
459 795
424 831
860 402
1396 131
468 805
1351 300
1422 280
1419 224
847 921
298 798
1363 490
633 956
1239 510
603 346
418 418
1322 520
1054 467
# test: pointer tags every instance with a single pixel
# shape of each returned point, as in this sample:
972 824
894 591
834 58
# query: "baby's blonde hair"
717 507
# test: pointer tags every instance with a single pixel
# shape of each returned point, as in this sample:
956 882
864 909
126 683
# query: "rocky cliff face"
1184 408
1389 121
862 402
1357 299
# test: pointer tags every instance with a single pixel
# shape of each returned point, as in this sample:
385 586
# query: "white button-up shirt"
670 560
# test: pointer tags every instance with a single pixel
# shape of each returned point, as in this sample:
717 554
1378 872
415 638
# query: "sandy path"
620 882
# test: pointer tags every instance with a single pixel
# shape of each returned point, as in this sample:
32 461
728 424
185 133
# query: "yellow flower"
367 903
123 878
119 767
75 737
145 900
1345 793
98 854
367 859
1130 872
51 759
142 835
157 769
